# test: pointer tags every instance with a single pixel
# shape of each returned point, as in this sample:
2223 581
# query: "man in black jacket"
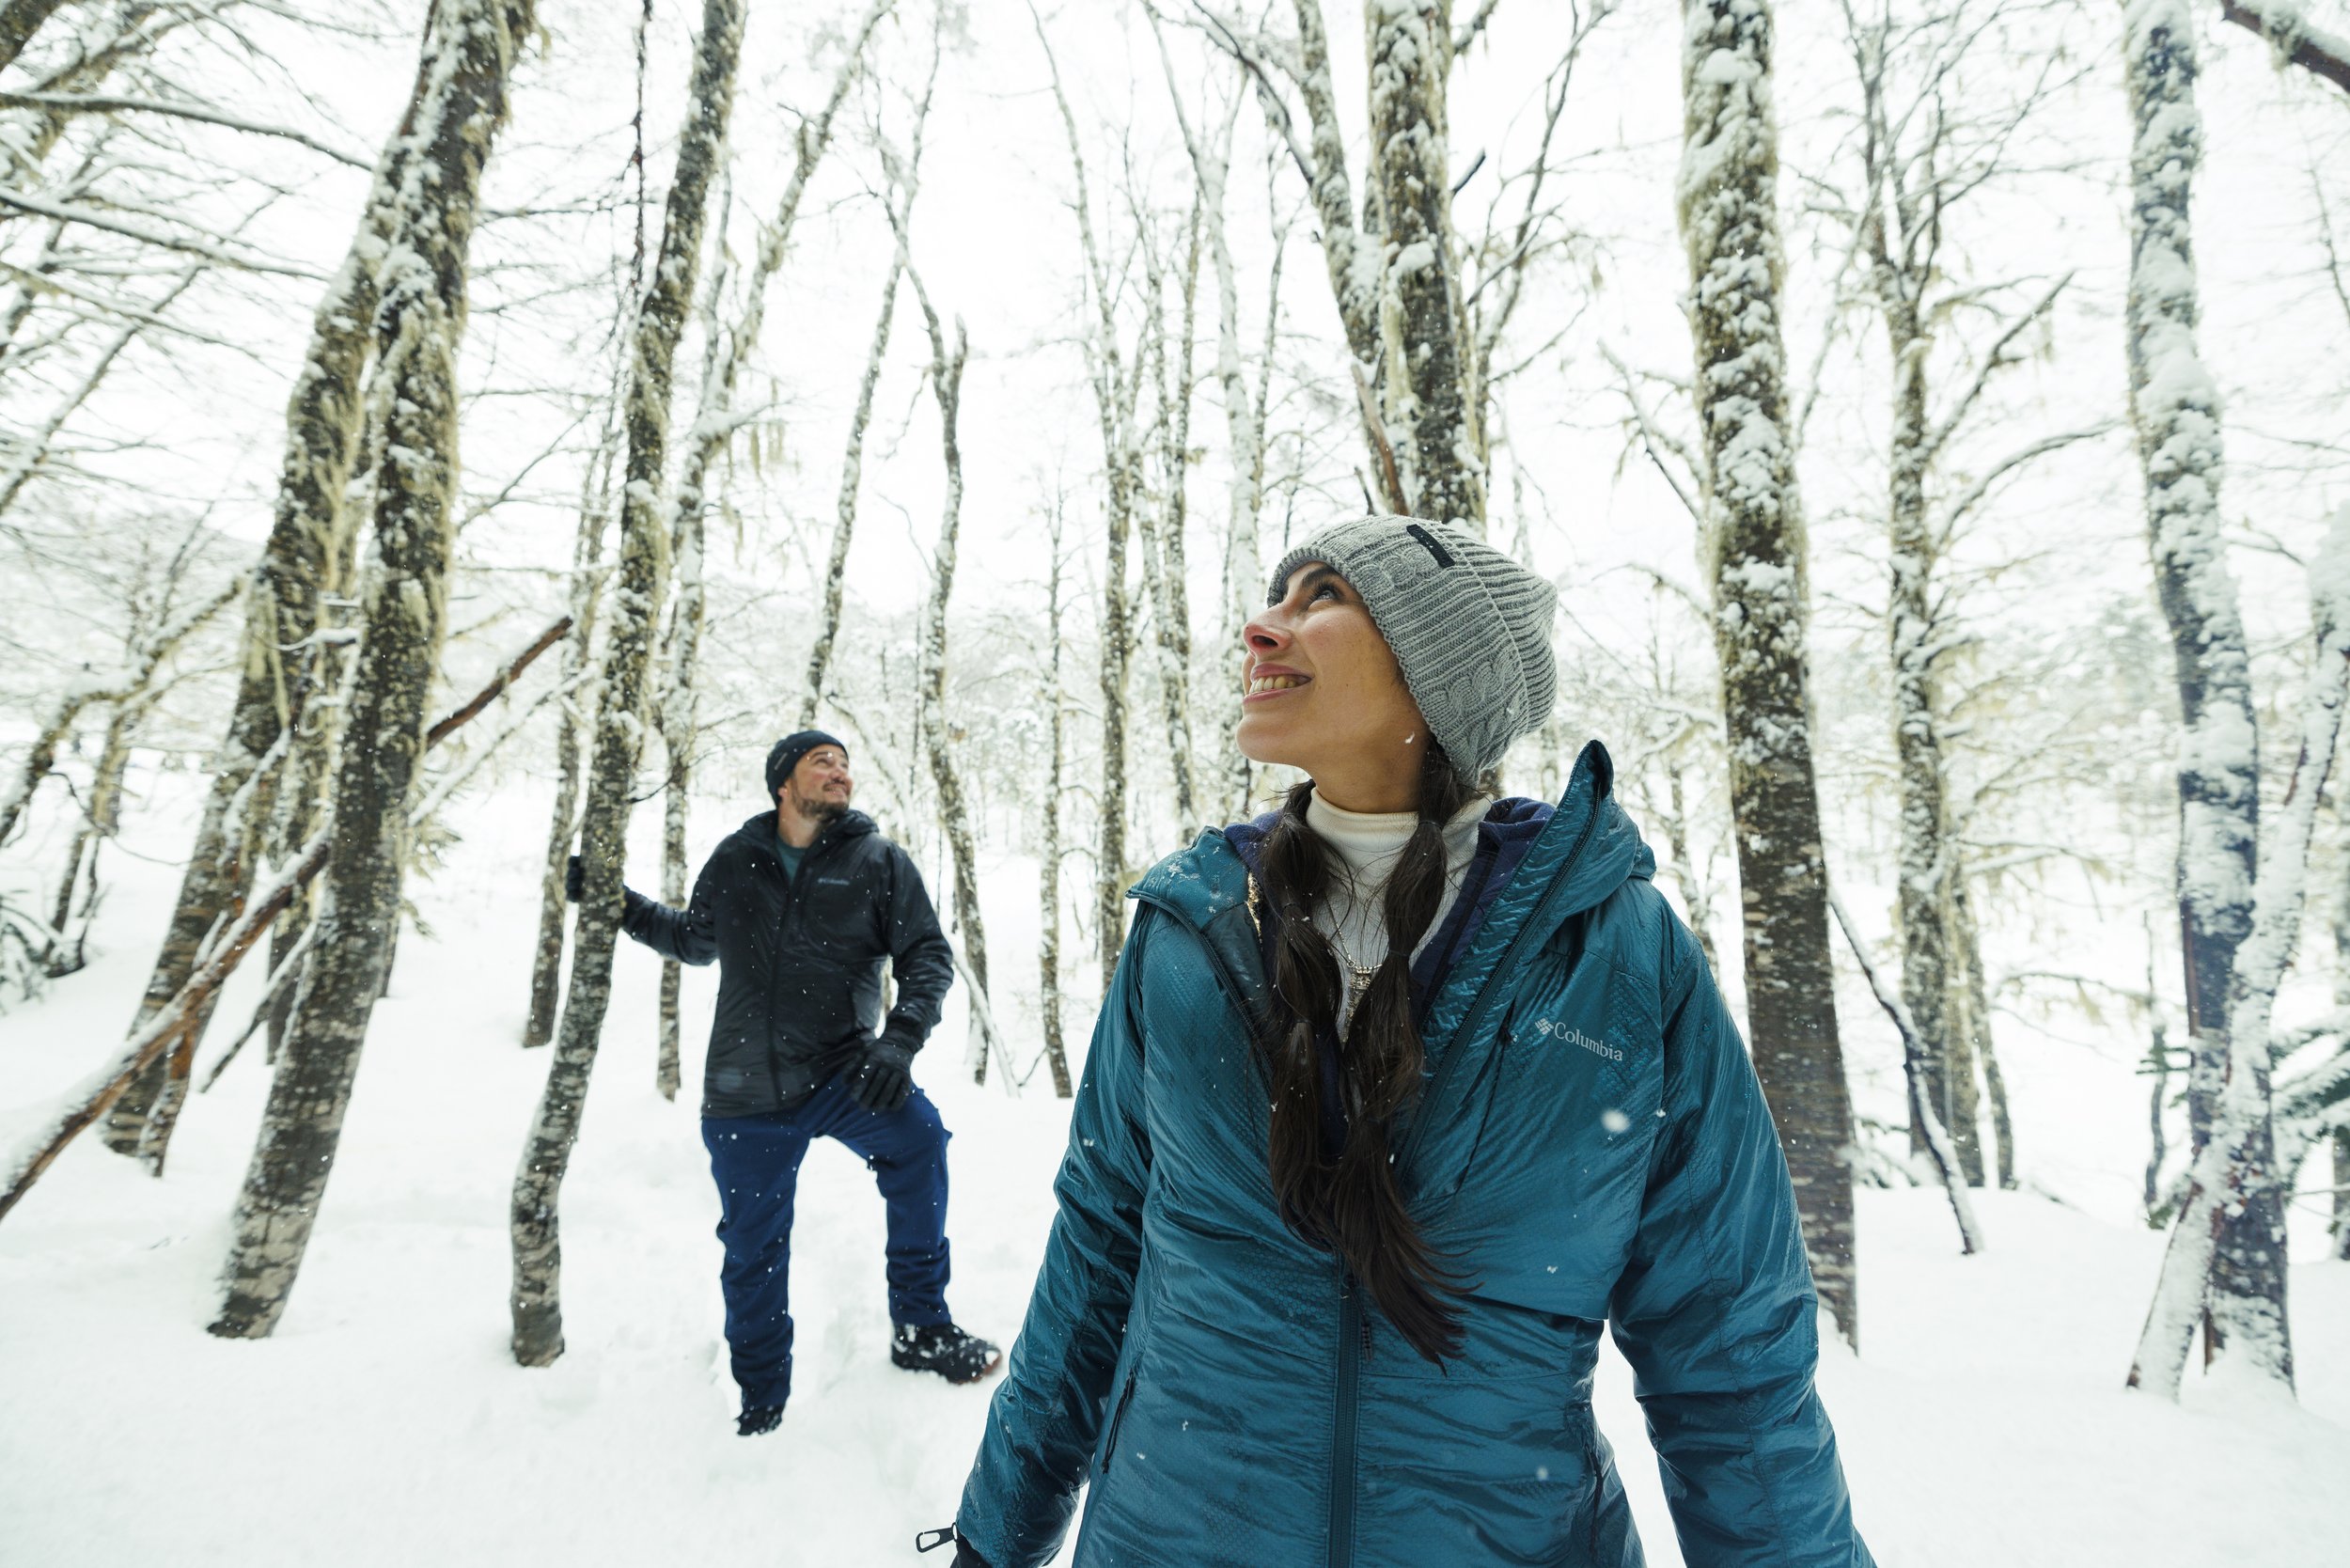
801 906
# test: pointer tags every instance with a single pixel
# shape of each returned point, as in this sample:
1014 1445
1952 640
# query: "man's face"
819 785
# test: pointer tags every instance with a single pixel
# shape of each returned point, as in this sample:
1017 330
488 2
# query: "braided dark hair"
1351 1204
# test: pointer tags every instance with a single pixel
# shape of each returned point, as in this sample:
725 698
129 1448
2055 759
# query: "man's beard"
820 811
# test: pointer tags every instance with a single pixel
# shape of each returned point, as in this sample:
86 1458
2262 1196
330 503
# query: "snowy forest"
439 438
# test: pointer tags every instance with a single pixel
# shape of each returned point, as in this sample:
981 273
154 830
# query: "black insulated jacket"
800 960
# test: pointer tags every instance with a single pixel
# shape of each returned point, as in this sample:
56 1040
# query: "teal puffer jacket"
1590 1145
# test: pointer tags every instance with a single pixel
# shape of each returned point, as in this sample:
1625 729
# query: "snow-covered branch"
107 103
2289 33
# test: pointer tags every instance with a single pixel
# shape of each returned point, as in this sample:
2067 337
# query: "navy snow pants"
756 1162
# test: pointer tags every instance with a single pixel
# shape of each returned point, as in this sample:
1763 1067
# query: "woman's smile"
1271 681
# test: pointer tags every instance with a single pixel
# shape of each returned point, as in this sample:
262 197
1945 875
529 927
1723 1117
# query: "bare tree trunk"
1048 860
1353 258
1728 199
536 1303
2175 408
1695 893
2225 1265
1109 887
946 386
469 52
101 816
678 705
1922 866
1970 1040
1113 396
546 961
323 418
1162 534
1426 404
309 769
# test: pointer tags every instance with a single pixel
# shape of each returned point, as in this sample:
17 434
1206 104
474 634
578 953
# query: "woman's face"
1323 693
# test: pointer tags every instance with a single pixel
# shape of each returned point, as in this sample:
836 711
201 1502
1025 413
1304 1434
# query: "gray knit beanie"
1470 626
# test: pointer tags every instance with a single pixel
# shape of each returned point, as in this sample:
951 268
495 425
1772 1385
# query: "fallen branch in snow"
216 964
2290 33
1914 1068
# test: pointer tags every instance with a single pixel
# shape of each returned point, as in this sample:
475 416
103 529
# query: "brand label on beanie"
1428 541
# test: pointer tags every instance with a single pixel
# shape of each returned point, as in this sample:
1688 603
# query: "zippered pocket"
1118 1419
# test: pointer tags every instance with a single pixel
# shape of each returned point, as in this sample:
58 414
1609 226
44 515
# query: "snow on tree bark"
1726 197
844 514
1161 528
677 706
1114 399
469 53
2226 1261
546 959
1244 430
1426 406
1049 852
2174 406
620 711
323 418
19 21
937 730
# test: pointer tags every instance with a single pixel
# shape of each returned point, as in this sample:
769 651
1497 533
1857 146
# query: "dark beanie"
787 752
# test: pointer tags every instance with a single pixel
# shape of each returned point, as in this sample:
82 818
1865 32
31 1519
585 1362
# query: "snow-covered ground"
385 1423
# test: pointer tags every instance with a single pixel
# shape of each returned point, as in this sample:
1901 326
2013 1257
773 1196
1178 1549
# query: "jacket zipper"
1351 1327
1475 1018
775 969
1118 1420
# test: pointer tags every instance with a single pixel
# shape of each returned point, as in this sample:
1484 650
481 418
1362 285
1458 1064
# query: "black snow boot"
943 1348
758 1419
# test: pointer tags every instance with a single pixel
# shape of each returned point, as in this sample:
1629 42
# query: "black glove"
575 880
880 1081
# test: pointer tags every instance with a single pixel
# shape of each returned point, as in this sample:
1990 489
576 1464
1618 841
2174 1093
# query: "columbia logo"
1569 1032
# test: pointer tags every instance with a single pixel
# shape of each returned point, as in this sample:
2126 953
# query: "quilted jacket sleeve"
688 936
920 958
1047 1415
1716 1314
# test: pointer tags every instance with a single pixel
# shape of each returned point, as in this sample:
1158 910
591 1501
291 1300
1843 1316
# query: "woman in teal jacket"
1397 1095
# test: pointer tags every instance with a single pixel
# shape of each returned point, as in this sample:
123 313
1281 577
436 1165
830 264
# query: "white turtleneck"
1367 844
